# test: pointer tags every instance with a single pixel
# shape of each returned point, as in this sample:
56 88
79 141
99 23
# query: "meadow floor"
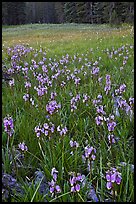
68 113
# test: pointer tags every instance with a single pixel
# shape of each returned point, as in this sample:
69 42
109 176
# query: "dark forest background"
14 13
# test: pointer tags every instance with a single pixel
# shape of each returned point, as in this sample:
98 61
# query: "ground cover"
67 112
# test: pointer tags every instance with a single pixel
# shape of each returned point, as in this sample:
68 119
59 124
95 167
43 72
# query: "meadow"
67 113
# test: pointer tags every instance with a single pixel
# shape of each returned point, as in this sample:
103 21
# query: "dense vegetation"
67 113
14 13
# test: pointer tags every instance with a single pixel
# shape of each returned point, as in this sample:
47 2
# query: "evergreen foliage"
14 13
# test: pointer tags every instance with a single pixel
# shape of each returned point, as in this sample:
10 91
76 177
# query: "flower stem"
90 169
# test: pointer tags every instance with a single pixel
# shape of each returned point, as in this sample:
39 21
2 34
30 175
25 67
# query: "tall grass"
69 53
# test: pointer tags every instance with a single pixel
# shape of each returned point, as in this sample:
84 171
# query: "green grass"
91 43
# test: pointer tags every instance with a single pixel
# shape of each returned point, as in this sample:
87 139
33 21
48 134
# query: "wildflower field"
67 113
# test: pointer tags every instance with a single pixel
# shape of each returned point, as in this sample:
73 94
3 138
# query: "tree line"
14 13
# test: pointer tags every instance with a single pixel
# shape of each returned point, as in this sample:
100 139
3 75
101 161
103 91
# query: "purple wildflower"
100 110
109 185
62 130
41 90
98 100
52 107
22 146
26 97
32 101
44 68
113 176
111 125
12 82
121 89
8 125
38 130
85 98
44 129
111 139
77 187
100 79
54 188
95 70
99 120
99 97
90 153
52 127
131 101
73 189
74 101
27 84
63 83
58 190
73 143
74 182
53 94
54 173
108 84
46 126
77 81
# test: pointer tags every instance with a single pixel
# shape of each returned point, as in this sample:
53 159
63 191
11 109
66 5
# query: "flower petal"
113 177
109 185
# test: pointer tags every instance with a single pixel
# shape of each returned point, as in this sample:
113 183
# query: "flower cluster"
108 84
95 70
8 125
90 153
63 83
53 94
77 81
12 82
74 101
22 146
111 139
111 124
49 79
131 101
85 98
45 129
26 97
100 80
100 110
99 120
73 144
18 51
52 107
98 100
119 52
75 181
62 130
121 89
122 104
27 85
113 176
89 156
54 188
41 90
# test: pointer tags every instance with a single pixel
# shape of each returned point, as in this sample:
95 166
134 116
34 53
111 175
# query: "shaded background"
15 13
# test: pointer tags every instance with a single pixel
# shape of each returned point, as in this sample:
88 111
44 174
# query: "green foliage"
84 46
69 12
